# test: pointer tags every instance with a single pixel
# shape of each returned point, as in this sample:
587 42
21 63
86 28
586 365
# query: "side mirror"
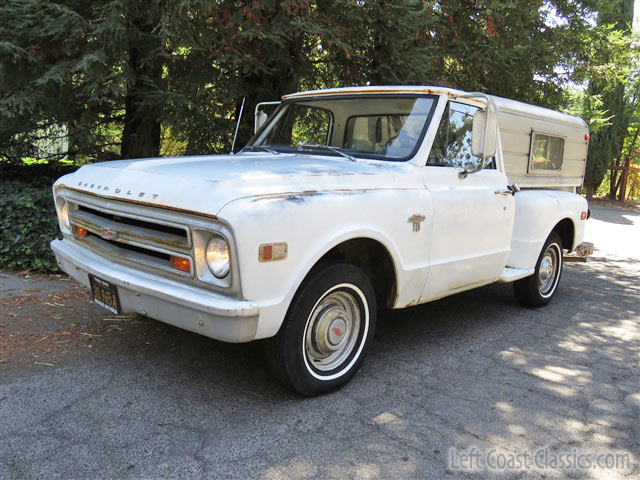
260 116
484 134
260 119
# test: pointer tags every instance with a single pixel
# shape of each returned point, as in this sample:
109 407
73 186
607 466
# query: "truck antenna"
233 144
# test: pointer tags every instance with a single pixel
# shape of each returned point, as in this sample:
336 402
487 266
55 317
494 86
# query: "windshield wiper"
263 147
329 147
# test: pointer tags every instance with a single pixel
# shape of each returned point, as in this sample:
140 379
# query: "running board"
512 274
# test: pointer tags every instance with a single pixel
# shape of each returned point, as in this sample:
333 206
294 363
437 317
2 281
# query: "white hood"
205 184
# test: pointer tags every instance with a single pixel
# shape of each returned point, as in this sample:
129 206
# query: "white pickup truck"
345 201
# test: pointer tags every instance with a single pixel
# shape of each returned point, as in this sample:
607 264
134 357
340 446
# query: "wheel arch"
374 258
345 249
567 230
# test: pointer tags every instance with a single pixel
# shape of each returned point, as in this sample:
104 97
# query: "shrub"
27 225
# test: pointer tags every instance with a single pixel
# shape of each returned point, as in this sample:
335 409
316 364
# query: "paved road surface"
85 395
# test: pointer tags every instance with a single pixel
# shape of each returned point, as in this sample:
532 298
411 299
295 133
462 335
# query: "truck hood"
205 184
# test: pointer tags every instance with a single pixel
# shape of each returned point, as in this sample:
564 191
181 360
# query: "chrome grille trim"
113 250
135 241
128 233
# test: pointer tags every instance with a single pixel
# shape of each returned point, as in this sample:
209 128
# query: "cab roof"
503 104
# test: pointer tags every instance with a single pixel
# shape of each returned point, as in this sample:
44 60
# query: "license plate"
105 294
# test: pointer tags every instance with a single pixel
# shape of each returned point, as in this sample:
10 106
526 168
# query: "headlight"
65 225
217 255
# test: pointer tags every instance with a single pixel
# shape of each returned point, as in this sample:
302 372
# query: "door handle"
510 190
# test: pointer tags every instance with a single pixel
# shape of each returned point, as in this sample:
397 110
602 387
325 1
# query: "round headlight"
64 216
217 255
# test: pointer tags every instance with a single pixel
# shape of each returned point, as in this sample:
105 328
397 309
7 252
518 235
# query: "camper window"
546 152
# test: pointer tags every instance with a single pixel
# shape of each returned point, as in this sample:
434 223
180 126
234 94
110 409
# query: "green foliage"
609 100
61 79
111 78
27 225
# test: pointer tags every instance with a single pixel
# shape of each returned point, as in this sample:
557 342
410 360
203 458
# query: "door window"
452 144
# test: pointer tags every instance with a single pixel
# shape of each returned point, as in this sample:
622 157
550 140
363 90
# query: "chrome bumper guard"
197 310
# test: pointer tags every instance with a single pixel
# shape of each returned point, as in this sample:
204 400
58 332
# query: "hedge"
28 221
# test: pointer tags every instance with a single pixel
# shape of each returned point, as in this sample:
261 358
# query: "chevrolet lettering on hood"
116 190
344 200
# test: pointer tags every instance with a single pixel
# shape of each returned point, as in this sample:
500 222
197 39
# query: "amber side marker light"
180 263
80 232
272 251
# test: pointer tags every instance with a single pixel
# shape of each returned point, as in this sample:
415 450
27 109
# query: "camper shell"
530 135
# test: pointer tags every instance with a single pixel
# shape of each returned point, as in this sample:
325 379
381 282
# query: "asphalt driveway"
87 395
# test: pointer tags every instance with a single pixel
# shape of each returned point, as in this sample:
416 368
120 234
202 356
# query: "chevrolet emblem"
108 233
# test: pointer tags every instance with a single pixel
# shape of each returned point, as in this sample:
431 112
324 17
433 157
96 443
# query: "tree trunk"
613 182
589 192
624 176
141 132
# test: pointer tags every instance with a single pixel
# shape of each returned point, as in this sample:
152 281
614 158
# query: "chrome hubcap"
332 330
548 271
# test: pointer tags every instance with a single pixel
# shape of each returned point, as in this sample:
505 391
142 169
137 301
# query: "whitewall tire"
538 289
327 330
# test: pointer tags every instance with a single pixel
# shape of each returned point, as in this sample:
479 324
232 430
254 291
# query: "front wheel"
327 330
538 289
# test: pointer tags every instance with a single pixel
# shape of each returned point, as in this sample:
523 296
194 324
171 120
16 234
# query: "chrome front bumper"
197 310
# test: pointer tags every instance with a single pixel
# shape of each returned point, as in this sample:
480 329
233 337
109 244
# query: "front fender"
312 223
537 212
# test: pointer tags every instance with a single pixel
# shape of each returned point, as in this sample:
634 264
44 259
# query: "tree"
118 77
611 46
52 76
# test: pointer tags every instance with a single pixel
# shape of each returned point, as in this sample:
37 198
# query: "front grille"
132 238
133 248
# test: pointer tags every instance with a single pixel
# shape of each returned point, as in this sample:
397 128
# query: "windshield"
383 127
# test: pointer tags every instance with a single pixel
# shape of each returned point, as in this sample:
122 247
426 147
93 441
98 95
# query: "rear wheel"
538 289
327 330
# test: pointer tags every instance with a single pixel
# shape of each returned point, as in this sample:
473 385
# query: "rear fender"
538 213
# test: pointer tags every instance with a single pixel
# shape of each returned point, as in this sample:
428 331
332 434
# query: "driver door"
472 223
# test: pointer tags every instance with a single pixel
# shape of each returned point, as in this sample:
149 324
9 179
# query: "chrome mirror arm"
491 105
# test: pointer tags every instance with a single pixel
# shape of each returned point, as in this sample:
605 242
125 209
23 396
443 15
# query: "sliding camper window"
452 144
546 152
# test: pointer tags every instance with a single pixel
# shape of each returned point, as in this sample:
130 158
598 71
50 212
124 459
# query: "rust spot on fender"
299 197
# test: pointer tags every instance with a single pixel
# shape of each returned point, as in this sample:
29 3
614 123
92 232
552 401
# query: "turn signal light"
180 263
80 232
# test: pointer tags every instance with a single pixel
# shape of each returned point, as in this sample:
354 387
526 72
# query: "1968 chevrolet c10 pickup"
345 201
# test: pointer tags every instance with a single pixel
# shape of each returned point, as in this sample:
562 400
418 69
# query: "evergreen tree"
119 77
608 86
